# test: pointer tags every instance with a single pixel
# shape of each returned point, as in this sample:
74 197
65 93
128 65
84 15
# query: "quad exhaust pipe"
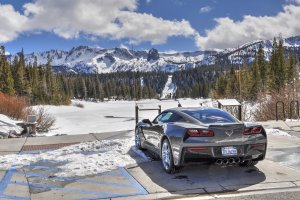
230 161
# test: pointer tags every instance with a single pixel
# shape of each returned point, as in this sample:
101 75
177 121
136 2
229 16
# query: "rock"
153 55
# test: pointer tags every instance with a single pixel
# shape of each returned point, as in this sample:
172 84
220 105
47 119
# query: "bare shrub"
248 110
12 106
266 105
44 120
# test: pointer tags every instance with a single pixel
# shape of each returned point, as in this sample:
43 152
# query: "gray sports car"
181 136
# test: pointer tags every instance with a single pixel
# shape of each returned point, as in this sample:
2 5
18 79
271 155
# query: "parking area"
38 181
42 179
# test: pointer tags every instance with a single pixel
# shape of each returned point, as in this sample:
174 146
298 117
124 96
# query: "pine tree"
254 80
232 85
19 78
280 75
8 80
35 80
291 69
272 68
261 64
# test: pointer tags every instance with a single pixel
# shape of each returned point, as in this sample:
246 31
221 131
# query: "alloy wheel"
137 139
166 155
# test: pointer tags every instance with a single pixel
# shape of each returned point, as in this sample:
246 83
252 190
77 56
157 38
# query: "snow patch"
169 89
277 132
84 158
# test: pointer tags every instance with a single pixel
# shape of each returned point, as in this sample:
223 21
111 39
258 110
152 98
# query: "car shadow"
208 178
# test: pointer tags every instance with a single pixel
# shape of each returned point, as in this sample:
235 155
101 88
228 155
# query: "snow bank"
7 126
277 132
83 159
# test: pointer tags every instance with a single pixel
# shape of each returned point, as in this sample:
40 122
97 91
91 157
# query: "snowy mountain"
84 59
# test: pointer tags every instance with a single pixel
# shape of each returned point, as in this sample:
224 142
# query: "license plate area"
229 151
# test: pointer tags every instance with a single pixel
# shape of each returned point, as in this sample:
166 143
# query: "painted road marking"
6 180
122 173
42 178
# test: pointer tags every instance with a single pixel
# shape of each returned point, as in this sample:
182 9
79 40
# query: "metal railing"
137 109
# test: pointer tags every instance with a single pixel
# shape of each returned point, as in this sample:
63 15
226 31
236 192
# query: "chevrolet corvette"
182 136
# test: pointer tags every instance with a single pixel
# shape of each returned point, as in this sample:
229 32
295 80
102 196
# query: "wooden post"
136 114
240 112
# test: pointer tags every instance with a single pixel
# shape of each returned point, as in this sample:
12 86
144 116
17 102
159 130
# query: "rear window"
211 116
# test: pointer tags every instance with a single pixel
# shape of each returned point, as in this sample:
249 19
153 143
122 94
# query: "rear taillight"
199 133
253 130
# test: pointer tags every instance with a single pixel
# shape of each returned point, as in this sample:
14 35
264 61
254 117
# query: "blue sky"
168 25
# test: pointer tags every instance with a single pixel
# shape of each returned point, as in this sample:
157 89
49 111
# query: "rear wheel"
167 157
248 163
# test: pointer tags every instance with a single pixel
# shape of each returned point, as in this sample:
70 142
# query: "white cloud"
123 46
205 9
292 1
148 1
113 19
11 23
230 33
144 27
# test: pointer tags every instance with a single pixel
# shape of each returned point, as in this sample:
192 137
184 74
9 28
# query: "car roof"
180 109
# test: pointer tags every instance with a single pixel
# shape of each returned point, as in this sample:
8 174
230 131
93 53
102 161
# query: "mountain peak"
85 59
153 55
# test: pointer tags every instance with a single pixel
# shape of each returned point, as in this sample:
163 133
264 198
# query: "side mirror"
147 121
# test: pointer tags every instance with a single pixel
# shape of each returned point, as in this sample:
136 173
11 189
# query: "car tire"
248 163
167 157
137 138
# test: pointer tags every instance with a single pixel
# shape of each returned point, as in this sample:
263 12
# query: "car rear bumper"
210 154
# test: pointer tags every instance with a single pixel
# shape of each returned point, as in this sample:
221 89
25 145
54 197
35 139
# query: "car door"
148 131
157 130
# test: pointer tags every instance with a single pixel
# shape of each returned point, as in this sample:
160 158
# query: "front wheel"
167 157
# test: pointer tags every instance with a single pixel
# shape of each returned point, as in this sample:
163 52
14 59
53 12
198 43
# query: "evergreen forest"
40 85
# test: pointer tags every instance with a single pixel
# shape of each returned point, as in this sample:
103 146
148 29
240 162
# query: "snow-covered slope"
84 59
169 89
